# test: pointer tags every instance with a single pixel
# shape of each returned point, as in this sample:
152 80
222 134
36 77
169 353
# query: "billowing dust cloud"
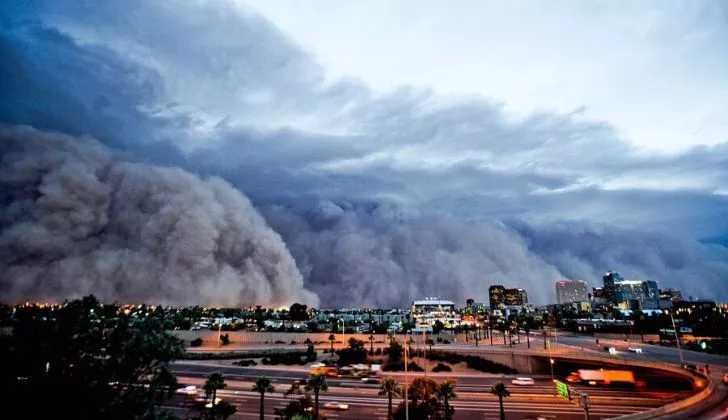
75 219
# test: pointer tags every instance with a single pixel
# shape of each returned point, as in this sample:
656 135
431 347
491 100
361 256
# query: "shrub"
197 342
265 361
441 367
439 339
225 339
246 362
310 352
399 366
395 351
445 341
385 351
280 342
473 362
378 351
238 354
293 342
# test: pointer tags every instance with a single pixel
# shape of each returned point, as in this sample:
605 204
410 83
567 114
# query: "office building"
496 295
515 297
670 294
598 294
568 291
630 294
651 298
697 307
610 279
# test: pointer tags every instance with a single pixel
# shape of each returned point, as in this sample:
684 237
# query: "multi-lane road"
715 408
473 402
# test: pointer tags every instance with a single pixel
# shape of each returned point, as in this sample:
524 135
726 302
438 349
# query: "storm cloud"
382 255
381 197
76 220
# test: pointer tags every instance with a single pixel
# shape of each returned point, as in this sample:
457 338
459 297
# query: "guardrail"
675 407
671 408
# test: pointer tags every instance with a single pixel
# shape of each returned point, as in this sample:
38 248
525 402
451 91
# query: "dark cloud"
74 219
220 91
380 255
586 250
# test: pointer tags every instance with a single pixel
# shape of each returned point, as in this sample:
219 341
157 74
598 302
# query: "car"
635 349
197 401
725 379
187 390
523 381
335 406
317 364
371 380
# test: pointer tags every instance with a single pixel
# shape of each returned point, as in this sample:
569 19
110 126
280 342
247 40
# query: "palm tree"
410 341
317 383
214 382
332 338
371 343
503 329
261 386
389 387
527 329
446 392
430 342
544 333
500 391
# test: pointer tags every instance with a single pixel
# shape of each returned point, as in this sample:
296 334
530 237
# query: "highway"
473 402
714 409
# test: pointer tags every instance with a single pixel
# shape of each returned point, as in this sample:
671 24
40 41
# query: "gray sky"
655 70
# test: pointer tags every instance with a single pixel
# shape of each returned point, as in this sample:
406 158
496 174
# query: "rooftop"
434 302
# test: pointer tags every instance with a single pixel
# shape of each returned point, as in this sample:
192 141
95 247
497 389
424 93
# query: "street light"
219 332
424 348
343 333
551 364
406 381
677 339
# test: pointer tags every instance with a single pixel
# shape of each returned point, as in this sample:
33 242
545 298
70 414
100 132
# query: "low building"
427 312
694 306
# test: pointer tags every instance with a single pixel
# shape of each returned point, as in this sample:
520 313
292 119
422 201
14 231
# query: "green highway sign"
562 389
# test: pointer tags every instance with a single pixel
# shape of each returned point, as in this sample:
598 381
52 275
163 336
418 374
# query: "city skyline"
244 152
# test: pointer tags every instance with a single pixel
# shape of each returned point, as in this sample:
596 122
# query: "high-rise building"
632 294
568 291
496 295
651 298
515 297
469 303
627 292
610 279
